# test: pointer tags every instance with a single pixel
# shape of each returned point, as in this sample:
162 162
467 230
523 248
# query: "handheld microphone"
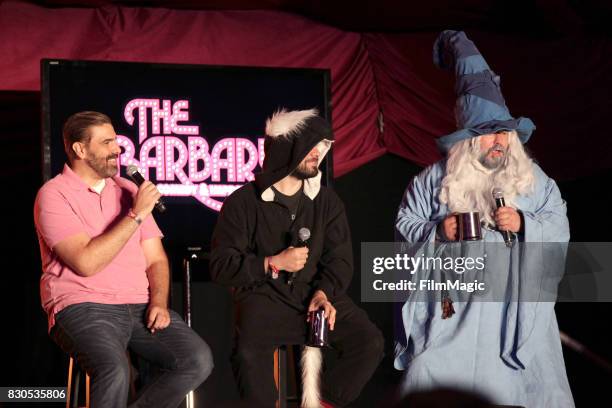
498 195
132 172
303 237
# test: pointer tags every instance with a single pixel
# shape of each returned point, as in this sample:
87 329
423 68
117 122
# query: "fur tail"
312 361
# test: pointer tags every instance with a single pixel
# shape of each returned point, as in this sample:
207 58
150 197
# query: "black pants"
264 324
98 335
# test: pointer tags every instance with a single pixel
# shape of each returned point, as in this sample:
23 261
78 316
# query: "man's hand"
291 259
145 199
319 300
449 228
507 219
158 318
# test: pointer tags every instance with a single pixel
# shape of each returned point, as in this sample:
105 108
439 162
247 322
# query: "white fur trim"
312 186
324 146
268 194
312 362
286 124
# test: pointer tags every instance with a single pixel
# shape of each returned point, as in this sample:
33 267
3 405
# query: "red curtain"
379 81
562 84
416 100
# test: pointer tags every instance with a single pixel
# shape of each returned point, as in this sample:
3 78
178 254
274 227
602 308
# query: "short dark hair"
76 128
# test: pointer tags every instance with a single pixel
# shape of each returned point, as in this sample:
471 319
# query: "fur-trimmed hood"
290 136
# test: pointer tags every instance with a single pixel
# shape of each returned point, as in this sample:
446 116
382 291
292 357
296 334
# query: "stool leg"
69 384
86 390
73 386
276 377
282 376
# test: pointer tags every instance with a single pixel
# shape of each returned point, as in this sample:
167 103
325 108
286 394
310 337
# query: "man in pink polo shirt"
105 274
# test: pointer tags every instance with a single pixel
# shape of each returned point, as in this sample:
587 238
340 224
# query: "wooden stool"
283 372
73 388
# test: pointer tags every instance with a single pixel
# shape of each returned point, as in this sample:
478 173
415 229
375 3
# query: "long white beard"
467 184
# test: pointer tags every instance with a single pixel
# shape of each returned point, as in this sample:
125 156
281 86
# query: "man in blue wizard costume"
507 349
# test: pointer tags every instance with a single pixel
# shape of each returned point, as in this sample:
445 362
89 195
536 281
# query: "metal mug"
317 333
468 226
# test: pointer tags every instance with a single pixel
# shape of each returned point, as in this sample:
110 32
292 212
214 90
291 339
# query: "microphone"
303 237
132 172
498 195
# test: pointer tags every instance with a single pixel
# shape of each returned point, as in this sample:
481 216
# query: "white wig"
467 184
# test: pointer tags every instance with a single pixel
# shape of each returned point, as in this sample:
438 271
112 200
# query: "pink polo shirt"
66 206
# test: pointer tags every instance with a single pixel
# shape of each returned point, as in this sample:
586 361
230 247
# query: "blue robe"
510 351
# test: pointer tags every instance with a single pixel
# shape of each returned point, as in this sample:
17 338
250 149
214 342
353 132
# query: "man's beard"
303 171
493 163
468 182
101 165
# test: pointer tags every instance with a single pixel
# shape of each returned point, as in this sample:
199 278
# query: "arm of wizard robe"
232 261
415 227
530 317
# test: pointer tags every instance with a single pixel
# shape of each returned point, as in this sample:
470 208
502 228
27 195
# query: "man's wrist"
137 218
158 303
276 261
327 288
272 268
320 293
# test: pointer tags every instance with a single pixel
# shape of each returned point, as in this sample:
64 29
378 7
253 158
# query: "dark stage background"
30 358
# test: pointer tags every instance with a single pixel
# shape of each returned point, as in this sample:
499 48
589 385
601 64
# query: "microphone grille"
304 234
131 169
497 192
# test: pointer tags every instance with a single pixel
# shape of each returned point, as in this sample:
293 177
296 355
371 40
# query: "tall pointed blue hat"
480 108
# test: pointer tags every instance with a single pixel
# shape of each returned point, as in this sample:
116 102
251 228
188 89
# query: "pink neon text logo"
185 167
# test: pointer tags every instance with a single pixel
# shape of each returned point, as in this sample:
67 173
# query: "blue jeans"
98 336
